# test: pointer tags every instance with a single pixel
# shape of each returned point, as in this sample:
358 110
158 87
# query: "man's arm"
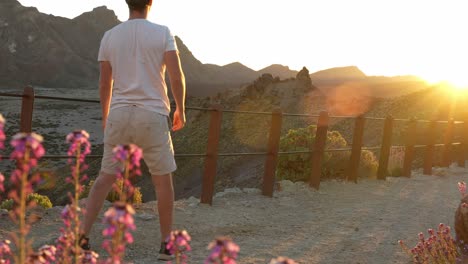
105 89
177 78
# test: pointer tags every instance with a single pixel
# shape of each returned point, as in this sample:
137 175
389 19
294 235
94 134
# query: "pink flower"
48 253
90 257
30 143
282 260
67 215
2 180
45 255
2 133
27 151
119 221
130 156
223 250
462 188
65 241
431 232
131 153
178 244
5 252
79 142
439 247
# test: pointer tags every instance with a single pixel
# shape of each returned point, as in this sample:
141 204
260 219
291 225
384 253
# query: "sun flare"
456 83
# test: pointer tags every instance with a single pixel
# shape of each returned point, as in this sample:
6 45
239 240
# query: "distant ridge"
351 78
50 51
279 70
341 73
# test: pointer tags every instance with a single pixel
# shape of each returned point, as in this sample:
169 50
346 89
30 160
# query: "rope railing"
233 111
201 155
316 150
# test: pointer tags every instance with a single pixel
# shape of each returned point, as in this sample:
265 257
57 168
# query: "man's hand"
177 78
179 120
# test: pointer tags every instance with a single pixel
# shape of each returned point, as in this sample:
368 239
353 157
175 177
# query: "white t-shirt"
135 50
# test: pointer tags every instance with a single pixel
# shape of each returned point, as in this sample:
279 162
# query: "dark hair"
138 5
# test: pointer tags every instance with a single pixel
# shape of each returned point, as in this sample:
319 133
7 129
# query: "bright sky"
382 37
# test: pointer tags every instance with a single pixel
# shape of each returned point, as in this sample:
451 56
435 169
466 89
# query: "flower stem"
118 238
123 195
76 206
22 210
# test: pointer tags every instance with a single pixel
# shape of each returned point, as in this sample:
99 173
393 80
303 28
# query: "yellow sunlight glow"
454 81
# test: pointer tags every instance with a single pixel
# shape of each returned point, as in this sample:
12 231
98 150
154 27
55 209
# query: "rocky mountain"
45 50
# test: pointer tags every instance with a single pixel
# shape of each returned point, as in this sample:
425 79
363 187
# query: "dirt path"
341 223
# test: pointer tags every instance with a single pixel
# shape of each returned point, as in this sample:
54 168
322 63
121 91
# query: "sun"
454 83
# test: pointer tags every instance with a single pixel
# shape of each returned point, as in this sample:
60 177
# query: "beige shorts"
146 129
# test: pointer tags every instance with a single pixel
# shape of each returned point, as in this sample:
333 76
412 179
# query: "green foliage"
113 195
297 167
38 199
7 204
396 172
368 164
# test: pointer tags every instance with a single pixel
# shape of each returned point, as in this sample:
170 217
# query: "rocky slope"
49 51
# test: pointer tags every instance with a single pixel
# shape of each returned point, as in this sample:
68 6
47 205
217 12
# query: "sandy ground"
341 223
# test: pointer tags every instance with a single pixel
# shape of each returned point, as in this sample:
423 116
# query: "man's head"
139 5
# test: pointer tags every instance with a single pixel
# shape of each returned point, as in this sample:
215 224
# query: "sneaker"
84 242
164 253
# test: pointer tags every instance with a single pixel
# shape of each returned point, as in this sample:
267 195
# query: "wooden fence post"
353 167
464 142
409 147
385 148
272 158
448 139
27 107
429 153
318 150
211 159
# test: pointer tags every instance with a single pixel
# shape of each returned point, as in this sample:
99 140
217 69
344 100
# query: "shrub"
40 200
438 247
114 196
297 167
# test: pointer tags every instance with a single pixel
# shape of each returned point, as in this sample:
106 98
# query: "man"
135 107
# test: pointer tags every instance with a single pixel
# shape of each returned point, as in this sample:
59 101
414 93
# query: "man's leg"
165 196
96 197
